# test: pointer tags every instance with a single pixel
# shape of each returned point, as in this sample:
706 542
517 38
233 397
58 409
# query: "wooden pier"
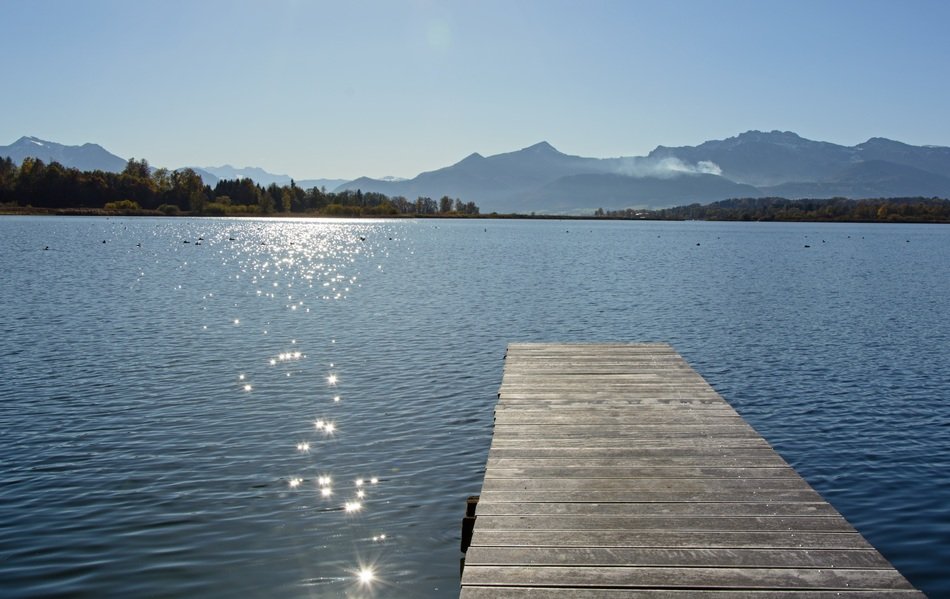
617 472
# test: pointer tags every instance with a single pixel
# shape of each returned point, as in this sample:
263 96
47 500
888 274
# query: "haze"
331 89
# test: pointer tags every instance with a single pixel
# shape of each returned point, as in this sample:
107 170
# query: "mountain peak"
774 135
29 140
541 147
880 141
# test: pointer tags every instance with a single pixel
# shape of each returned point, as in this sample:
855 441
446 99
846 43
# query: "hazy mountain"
871 179
90 157
258 175
539 178
87 157
760 158
499 182
591 191
329 184
934 159
206 177
753 164
777 157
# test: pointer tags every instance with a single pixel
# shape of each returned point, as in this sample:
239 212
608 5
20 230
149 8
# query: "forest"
140 189
904 210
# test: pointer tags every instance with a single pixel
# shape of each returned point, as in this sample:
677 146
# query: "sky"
330 89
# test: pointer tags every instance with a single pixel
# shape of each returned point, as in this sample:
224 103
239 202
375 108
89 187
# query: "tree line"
140 188
906 210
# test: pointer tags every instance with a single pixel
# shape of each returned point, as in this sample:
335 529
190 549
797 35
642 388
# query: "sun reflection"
366 575
332 379
247 387
352 506
326 491
295 482
304 446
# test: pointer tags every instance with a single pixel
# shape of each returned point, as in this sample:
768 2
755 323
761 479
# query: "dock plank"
617 472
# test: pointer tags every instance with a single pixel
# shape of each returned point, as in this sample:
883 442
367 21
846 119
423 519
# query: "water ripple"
160 400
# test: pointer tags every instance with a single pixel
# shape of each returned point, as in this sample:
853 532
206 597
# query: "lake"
267 407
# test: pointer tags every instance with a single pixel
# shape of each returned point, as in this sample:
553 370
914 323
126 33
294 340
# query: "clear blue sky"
342 89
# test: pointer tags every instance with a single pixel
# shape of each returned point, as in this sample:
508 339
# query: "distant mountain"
541 179
871 179
759 158
934 159
90 157
87 157
208 178
258 175
329 184
500 182
586 193
753 164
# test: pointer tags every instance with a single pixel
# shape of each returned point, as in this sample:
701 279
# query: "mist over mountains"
753 164
542 179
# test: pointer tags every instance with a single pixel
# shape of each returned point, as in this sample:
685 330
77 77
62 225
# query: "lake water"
170 410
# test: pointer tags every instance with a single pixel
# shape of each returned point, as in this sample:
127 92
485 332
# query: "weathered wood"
681 523
623 496
692 539
678 577
617 472
656 508
666 557
495 592
641 472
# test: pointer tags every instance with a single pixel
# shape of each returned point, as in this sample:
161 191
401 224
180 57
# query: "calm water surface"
285 404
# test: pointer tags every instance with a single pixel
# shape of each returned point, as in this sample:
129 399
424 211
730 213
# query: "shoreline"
33 211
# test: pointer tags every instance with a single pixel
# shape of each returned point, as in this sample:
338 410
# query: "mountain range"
753 164
541 179
90 157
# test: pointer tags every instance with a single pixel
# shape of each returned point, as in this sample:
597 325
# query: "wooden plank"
643 485
676 539
664 439
617 472
630 452
494 592
690 557
659 577
667 495
681 523
634 509
697 459
561 472
609 417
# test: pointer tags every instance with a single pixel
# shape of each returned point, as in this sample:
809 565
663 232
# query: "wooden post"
468 522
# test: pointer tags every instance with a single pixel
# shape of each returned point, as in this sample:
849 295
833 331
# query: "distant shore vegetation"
881 210
35 186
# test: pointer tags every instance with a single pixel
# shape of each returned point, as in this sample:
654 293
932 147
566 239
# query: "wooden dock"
617 472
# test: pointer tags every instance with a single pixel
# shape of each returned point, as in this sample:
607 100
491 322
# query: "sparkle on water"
402 417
